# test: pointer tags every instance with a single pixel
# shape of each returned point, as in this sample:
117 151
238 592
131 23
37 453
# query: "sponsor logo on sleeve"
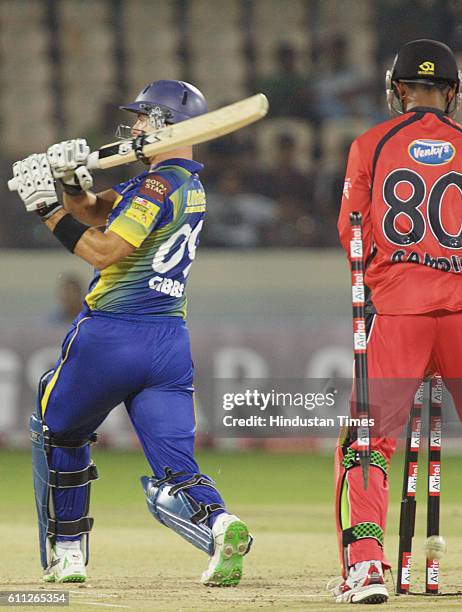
431 152
195 201
142 211
346 188
155 187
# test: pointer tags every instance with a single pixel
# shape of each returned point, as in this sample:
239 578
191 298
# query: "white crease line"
235 597
89 593
265 598
94 603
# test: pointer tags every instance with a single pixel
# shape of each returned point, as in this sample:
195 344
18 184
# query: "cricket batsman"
405 178
129 344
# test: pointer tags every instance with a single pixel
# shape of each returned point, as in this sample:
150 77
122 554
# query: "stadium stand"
321 63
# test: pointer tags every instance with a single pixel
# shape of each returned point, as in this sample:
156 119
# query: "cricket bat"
190 132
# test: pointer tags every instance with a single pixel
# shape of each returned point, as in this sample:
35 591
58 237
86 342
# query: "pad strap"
194 481
205 510
51 441
56 442
70 528
169 475
351 459
360 531
80 478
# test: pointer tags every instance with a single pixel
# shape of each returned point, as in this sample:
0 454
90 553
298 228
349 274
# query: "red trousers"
401 351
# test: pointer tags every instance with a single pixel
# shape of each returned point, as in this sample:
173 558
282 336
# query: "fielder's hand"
33 181
67 160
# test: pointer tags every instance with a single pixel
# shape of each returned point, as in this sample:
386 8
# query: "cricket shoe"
67 563
364 584
232 542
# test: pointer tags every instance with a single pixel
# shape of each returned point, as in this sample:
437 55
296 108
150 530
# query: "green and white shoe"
232 542
67 564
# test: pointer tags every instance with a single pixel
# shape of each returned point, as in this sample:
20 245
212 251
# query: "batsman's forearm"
84 200
52 222
85 208
87 242
95 248
92 245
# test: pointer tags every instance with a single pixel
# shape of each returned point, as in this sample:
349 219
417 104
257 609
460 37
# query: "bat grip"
93 161
12 184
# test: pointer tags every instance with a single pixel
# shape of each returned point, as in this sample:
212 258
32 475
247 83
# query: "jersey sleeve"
119 188
143 210
356 198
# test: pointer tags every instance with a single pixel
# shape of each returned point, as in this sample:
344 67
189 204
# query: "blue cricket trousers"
108 359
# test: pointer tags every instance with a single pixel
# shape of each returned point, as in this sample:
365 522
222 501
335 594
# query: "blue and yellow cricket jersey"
161 212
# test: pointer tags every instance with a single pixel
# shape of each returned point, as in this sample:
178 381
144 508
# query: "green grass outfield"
286 500
245 477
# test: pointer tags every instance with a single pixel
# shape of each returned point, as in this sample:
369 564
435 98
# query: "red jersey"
405 177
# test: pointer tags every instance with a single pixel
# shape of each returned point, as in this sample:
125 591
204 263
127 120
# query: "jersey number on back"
167 257
411 208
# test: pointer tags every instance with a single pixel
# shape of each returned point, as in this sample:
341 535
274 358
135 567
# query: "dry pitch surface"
137 564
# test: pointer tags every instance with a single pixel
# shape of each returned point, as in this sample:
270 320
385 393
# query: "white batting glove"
34 183
67 161
67 155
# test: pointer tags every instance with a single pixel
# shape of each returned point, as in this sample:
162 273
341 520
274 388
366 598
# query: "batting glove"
67 161
34 183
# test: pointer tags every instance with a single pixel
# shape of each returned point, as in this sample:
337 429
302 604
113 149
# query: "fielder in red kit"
405 177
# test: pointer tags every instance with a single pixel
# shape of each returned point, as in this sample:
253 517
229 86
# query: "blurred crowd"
279 183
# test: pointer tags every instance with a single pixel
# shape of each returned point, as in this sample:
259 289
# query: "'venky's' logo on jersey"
431 152
426 69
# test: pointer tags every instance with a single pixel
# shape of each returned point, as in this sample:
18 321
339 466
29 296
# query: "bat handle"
13 184
93 161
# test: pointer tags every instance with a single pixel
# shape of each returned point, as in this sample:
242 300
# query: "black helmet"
423 61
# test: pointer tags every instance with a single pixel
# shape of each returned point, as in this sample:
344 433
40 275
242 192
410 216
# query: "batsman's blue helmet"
177 99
